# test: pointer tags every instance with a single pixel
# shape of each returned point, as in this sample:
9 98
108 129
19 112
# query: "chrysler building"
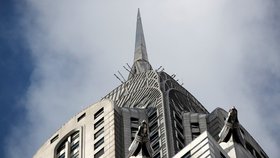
151 115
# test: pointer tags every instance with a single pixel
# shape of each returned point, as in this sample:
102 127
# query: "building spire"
141 62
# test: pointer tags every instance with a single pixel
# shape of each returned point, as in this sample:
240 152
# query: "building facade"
150 115
203 146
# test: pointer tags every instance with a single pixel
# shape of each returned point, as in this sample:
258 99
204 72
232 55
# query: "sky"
59 57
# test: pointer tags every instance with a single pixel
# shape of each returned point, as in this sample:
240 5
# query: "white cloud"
217 48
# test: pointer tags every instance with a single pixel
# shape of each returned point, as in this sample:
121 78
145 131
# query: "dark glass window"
152 117
74 146
180 138
154 136
133 131
153 126
54 138
157 155
76 155
99 153
134 120
74 136
187 155
180 129
61 156
194 125
98 113
60 152
179 145
195 129
81 117
155 146
98 123
61 147
97 144
98 133
178 118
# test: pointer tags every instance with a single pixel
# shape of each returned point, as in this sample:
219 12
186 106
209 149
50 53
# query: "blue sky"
15 69
63 54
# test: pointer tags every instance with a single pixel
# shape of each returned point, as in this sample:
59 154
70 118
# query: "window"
60 152
177 117
134 120
62 155
187 155
97 144
98 123
99 153
179 145
81 117
195 130
73 144
153 127
180 138
61 148
154 137
76 155
156 146
195 125
157 155
152 117
75 136
54 138
98 133
133 131
195 135
98 113
179 127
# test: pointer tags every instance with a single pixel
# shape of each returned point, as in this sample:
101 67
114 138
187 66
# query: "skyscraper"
150 115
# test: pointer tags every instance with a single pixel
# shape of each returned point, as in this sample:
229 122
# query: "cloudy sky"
58 57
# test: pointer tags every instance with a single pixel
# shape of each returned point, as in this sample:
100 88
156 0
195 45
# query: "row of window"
154 134
178 123
98 133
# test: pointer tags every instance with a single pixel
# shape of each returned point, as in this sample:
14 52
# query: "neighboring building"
150 115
